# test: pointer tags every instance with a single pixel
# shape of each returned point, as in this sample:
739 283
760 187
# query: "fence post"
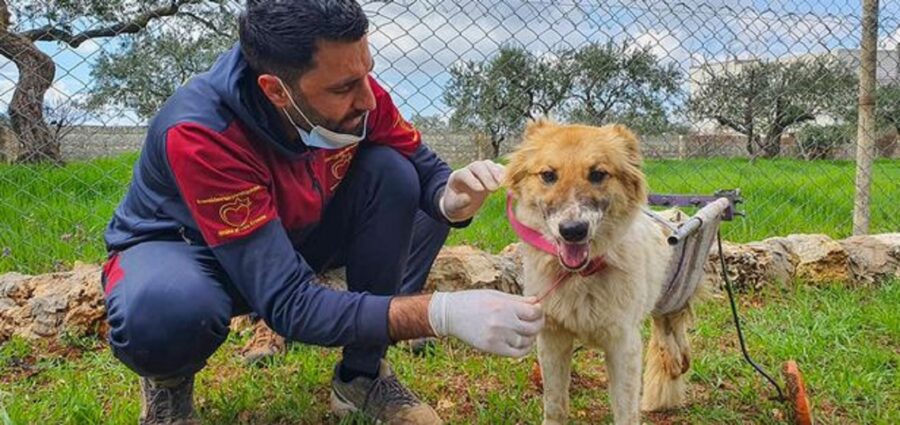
865 133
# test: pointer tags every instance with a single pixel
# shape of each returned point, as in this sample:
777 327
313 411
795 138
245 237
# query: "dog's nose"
573 231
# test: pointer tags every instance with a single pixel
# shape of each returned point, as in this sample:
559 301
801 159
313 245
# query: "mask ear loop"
294 104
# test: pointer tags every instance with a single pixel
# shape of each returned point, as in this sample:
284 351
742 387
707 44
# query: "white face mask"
322 137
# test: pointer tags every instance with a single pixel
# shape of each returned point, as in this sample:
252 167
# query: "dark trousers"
373 226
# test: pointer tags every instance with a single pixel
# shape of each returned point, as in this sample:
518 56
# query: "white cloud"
88 48
664 44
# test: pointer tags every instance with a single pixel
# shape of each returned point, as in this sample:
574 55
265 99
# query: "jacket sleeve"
226 191
387 126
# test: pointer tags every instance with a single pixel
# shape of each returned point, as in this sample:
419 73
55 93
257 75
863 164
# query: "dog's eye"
596 176
548 176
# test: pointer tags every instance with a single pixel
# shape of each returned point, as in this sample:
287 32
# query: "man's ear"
274 91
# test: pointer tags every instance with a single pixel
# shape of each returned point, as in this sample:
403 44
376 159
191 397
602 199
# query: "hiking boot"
264 344
383 399
169 402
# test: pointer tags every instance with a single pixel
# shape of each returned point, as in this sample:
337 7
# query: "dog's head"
579 185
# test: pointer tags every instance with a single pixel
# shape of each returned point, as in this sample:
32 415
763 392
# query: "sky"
414 42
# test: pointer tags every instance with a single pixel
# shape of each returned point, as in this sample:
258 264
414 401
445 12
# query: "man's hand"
488 320
468 187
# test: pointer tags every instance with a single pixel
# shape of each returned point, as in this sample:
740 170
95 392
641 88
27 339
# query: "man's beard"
345 125
351 127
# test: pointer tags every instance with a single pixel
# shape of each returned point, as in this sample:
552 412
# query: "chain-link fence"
756 95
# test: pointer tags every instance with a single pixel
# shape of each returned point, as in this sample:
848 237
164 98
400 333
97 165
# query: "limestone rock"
752 265
821 258
464 267
873 258
43 306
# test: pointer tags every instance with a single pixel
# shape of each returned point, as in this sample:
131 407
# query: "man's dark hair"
279 36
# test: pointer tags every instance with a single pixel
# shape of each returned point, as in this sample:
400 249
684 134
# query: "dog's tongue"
574 255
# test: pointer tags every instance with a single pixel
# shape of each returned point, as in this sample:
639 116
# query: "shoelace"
389 388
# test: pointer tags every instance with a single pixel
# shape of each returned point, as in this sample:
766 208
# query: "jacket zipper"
315 184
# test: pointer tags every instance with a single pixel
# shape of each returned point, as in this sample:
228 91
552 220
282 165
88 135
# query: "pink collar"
536 239
526 234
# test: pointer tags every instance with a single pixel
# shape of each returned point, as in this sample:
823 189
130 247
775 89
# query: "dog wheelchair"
692 241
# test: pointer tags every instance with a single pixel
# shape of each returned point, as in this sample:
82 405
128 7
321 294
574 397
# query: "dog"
583 189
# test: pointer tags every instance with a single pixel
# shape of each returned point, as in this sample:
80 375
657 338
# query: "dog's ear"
632 145
631 174
515 169
533 125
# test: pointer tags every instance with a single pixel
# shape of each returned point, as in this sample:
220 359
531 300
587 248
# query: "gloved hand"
491 321
468 187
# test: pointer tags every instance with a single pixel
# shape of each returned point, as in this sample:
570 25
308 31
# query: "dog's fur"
606 309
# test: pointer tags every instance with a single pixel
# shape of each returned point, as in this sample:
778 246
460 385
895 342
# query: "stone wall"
88 142
47 305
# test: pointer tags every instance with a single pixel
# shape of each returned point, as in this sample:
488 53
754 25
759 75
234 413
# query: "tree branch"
205 22
730 123
4 17
51 33
785 122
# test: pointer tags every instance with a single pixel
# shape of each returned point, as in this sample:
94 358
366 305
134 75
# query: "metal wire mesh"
759 95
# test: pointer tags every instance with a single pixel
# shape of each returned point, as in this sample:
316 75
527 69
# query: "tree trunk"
750 126
772 143
495 146
865 130
36 73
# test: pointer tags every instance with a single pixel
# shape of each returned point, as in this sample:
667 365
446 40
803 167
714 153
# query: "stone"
873 258
47 305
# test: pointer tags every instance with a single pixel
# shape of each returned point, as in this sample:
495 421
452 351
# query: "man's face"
335 93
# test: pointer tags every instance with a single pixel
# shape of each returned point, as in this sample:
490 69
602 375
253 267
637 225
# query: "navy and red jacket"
217 163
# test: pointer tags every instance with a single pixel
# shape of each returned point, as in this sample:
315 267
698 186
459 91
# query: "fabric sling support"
691 242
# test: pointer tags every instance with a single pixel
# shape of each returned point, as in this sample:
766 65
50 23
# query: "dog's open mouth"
574 256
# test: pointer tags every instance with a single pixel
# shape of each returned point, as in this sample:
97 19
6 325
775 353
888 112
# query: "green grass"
51 217
846 341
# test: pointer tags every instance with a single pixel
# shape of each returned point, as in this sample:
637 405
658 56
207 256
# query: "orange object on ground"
797 398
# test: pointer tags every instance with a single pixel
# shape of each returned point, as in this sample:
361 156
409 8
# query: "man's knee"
393 174
163 329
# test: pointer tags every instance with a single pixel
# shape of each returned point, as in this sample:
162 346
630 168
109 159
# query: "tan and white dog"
582 188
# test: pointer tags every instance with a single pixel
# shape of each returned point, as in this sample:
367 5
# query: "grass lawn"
50 217
846 341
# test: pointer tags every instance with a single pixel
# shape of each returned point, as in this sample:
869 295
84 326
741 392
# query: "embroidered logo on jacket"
235 211
340 162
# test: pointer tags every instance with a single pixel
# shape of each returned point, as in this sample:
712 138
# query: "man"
283 160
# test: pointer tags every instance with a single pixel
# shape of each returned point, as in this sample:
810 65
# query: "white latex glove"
491 321
468 187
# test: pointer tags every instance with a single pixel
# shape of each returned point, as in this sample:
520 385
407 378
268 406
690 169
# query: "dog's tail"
668 361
